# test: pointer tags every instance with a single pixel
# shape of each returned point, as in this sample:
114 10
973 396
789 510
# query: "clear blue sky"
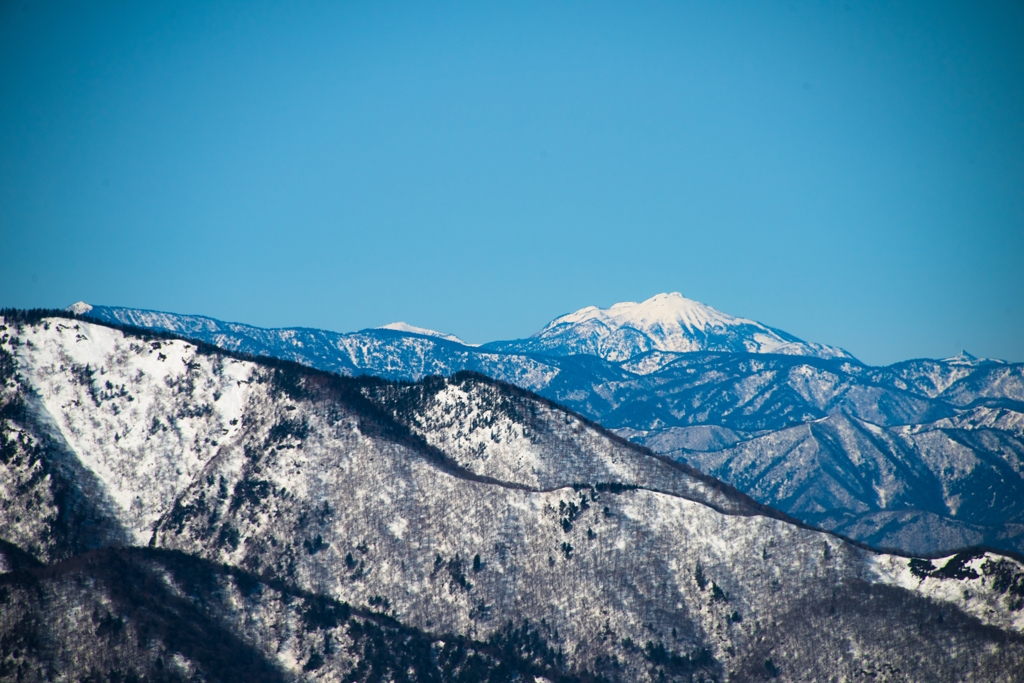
850 172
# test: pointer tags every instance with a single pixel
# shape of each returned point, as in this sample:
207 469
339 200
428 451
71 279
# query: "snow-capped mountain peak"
660 312
412 329
79 308
666 322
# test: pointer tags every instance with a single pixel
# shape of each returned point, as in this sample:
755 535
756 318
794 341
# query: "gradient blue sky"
850 172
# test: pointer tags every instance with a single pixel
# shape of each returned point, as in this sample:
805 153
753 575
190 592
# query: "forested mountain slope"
316 527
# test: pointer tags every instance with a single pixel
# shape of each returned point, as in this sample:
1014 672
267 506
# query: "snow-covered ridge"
412 329
666 322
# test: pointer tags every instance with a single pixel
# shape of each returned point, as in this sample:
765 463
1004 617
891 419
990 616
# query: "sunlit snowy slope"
307 526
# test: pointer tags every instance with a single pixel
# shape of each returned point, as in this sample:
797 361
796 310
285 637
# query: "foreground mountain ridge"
451 506
948 427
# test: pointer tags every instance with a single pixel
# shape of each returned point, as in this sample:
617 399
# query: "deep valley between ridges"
457 506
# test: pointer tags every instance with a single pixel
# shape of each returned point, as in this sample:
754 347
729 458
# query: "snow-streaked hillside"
455 507
665 322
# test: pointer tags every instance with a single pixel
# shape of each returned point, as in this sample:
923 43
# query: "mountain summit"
665 322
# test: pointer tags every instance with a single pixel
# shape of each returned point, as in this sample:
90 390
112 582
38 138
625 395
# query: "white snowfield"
204 453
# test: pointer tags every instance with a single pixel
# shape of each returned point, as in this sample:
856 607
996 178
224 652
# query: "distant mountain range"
170 511
922 455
